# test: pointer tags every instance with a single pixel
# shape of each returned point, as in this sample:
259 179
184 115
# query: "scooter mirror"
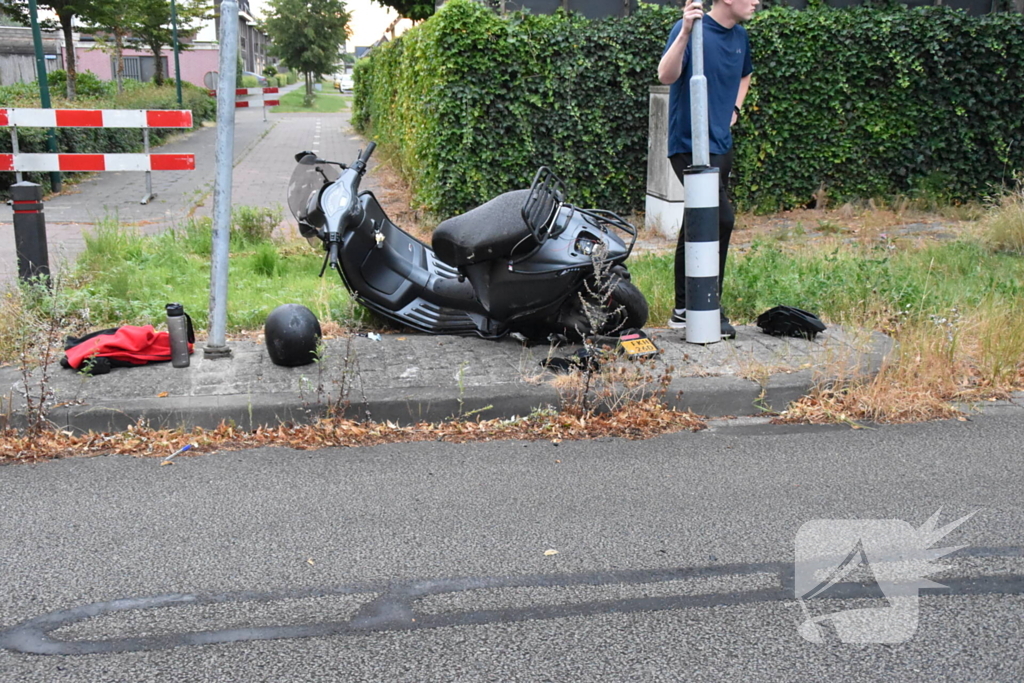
306 158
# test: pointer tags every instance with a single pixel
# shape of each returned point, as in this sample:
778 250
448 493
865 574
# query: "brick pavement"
179 193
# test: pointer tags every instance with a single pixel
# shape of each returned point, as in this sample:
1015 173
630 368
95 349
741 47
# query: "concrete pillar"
664 205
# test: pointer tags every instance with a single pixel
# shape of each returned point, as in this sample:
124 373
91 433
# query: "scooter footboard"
401 278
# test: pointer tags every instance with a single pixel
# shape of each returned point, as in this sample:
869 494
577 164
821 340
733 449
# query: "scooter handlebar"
365 156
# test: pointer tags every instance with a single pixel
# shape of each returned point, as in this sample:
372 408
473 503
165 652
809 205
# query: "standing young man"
727 68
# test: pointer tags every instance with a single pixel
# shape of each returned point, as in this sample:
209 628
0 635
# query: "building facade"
18 55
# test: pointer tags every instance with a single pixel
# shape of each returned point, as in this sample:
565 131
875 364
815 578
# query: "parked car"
263 82
344 83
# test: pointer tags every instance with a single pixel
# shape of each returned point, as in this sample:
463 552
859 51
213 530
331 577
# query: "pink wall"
194 63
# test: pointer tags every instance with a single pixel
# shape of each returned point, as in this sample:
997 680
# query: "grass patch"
956 308
878 286
324 102
123 277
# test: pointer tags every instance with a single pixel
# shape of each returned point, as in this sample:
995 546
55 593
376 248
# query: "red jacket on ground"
135 345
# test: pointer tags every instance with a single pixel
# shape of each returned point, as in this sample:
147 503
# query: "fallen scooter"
525 262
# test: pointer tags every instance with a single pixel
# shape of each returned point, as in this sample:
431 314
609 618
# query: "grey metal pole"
149 174
699 97
700 211
15 151
216 344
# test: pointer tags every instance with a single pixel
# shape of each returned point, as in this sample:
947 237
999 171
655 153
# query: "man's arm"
742 95
671 66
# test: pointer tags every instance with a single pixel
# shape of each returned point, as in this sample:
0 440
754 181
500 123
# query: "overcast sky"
368 19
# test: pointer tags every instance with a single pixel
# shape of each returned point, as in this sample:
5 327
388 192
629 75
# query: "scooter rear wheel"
627 306
620 308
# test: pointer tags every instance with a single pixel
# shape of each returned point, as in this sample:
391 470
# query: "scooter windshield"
306 181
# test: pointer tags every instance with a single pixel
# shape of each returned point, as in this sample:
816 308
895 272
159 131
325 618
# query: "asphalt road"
426 562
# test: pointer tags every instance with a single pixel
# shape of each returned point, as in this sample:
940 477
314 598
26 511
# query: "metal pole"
174 35
700 212
44 88
699 98
149 174
15 151
216 345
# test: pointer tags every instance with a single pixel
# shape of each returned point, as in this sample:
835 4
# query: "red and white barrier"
96 118
24 163
243 92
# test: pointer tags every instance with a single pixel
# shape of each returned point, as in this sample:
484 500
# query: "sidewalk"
179 194
407 378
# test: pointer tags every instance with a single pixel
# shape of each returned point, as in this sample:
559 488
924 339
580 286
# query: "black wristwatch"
736 109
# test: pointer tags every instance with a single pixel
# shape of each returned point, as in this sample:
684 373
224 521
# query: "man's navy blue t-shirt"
726 61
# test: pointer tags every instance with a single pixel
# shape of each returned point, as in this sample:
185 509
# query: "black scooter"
525 262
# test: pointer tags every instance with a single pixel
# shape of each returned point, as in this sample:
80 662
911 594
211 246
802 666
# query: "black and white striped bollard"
700 221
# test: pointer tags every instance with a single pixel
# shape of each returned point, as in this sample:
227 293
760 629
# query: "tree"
115 21
153 30
410 9
308 35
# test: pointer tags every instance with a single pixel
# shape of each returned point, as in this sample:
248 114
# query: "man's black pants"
726 220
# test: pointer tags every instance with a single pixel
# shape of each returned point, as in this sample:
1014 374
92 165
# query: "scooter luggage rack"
601 220
547 194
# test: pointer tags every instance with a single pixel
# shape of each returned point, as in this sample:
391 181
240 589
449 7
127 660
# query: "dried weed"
634 421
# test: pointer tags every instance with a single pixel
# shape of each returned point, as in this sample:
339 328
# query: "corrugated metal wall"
18 57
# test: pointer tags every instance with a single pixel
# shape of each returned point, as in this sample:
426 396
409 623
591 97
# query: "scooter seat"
490 231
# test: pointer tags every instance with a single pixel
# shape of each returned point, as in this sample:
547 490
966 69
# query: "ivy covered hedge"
863 101
99 140
880 102
469 103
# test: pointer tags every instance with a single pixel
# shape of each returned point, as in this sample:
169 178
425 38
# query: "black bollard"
29 230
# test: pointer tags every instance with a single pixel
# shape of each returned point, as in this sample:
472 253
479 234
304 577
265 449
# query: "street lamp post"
174 36
44 88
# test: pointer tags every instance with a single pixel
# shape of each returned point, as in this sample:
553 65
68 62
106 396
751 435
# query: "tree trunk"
119 59
309 83
158 75
69 50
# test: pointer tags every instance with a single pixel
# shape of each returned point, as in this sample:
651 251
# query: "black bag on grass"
787 321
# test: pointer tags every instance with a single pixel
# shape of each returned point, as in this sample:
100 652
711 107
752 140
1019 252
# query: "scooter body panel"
530 287
399 277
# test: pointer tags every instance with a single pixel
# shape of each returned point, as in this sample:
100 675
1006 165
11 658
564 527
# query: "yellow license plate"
639 347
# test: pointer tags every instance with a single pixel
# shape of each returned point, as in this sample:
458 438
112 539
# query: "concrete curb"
408 378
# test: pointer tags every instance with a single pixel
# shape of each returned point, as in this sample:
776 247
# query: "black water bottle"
177 326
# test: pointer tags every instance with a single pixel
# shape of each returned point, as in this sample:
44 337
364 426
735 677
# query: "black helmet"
292 334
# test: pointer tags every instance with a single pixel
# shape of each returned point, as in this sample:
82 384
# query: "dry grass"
11 317
641 420
1004 226
395 195
978 357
